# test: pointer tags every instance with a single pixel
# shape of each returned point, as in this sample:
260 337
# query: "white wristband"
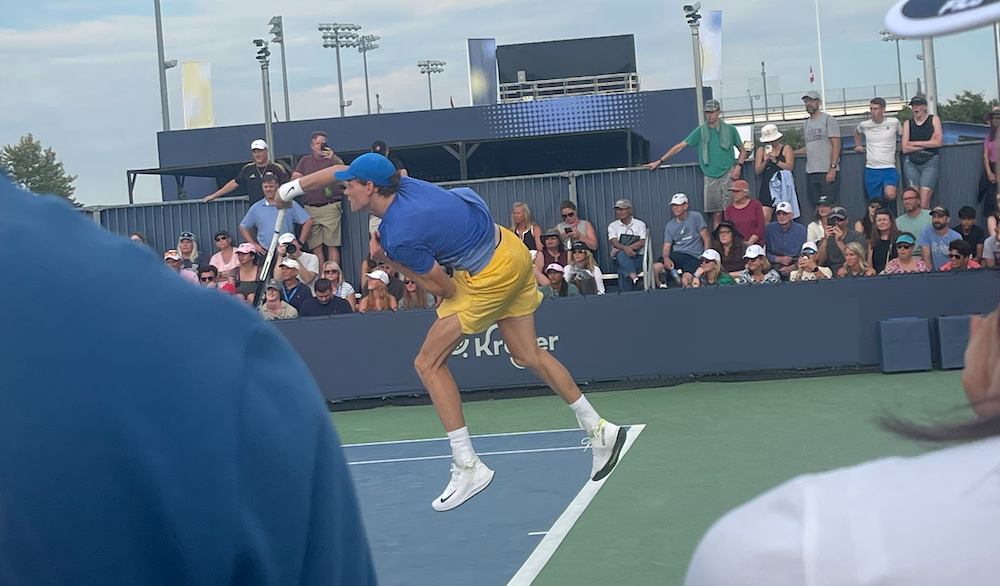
290 190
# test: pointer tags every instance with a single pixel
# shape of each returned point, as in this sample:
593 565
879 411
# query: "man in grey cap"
715 141
822 137
627 236
838 235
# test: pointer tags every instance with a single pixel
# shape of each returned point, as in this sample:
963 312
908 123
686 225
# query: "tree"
967 106
37 170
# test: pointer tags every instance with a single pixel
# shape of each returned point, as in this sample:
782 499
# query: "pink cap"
246 247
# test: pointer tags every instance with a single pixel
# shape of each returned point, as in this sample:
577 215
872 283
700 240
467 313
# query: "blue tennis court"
502 536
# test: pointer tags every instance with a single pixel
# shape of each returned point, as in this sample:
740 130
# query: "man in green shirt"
914 218
715 141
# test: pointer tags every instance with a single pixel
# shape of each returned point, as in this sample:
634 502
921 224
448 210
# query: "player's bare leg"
469 475
606 438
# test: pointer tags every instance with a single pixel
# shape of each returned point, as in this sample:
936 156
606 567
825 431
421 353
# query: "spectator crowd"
740 240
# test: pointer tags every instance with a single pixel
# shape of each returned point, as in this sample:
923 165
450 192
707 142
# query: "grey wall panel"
649 192
542 193
162 223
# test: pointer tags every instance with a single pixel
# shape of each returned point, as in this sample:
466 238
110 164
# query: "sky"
82 78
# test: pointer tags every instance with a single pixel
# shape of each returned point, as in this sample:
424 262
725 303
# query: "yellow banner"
196 87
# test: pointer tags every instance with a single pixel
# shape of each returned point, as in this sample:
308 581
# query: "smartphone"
831 221
567 230
324 147
768 149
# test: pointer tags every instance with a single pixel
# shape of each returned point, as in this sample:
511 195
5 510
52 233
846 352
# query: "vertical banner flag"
196 89
711 46
483 77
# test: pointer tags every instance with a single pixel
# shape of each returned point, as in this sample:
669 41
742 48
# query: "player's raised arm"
317 180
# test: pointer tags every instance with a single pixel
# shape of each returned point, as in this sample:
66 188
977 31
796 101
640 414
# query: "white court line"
503 453
444 439
538 558
537 533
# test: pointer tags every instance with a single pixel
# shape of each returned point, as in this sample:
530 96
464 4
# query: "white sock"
586 416
461 446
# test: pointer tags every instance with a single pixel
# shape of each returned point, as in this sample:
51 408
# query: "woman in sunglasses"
582 268
414 296
225 260
188 247
575 229
247 272
341 288
905 262
710 272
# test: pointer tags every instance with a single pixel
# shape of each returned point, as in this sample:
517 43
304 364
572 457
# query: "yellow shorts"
505 288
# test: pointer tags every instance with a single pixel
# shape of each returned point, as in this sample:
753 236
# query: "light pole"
163 66
264 56
365 44
337 35
930 75
819 43
430 67
888 37
691 12
278 30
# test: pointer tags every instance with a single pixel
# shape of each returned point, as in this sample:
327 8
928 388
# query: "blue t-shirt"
262 216
427 223
938 245
686 236
128 458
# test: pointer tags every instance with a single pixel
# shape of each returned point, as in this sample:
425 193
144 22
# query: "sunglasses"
409 282
207 279
806 254
904 246
221 238
330 272
706 261
956 256
569 215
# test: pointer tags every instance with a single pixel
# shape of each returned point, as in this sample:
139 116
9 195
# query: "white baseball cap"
753 251
286 238
258 145
380 275
810 245
711 253
784 207
290 263
678 199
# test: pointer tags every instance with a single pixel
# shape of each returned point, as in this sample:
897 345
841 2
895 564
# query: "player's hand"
290 190
375 247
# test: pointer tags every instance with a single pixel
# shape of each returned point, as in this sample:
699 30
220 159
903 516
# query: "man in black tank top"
922 138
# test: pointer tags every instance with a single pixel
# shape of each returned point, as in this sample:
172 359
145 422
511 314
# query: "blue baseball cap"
369 167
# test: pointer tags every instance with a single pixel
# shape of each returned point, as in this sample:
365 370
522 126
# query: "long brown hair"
379 295
874 236
418 300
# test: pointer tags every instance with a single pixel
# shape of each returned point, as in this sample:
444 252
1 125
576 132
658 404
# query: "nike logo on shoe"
443 499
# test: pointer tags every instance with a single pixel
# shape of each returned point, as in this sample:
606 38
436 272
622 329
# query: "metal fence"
775 107
593 191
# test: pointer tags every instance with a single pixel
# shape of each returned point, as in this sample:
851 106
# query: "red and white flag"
812 78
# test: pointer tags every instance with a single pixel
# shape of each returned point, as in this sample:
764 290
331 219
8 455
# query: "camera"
290 248
692 8
325 146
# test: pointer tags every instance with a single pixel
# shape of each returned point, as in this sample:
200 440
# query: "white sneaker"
466 482
607 443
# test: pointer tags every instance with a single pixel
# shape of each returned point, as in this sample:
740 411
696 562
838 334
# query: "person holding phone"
839 234
323 204
574 228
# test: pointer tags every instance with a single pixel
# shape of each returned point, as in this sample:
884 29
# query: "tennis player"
427 229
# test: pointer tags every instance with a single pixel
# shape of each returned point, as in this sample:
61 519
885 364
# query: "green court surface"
707 447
